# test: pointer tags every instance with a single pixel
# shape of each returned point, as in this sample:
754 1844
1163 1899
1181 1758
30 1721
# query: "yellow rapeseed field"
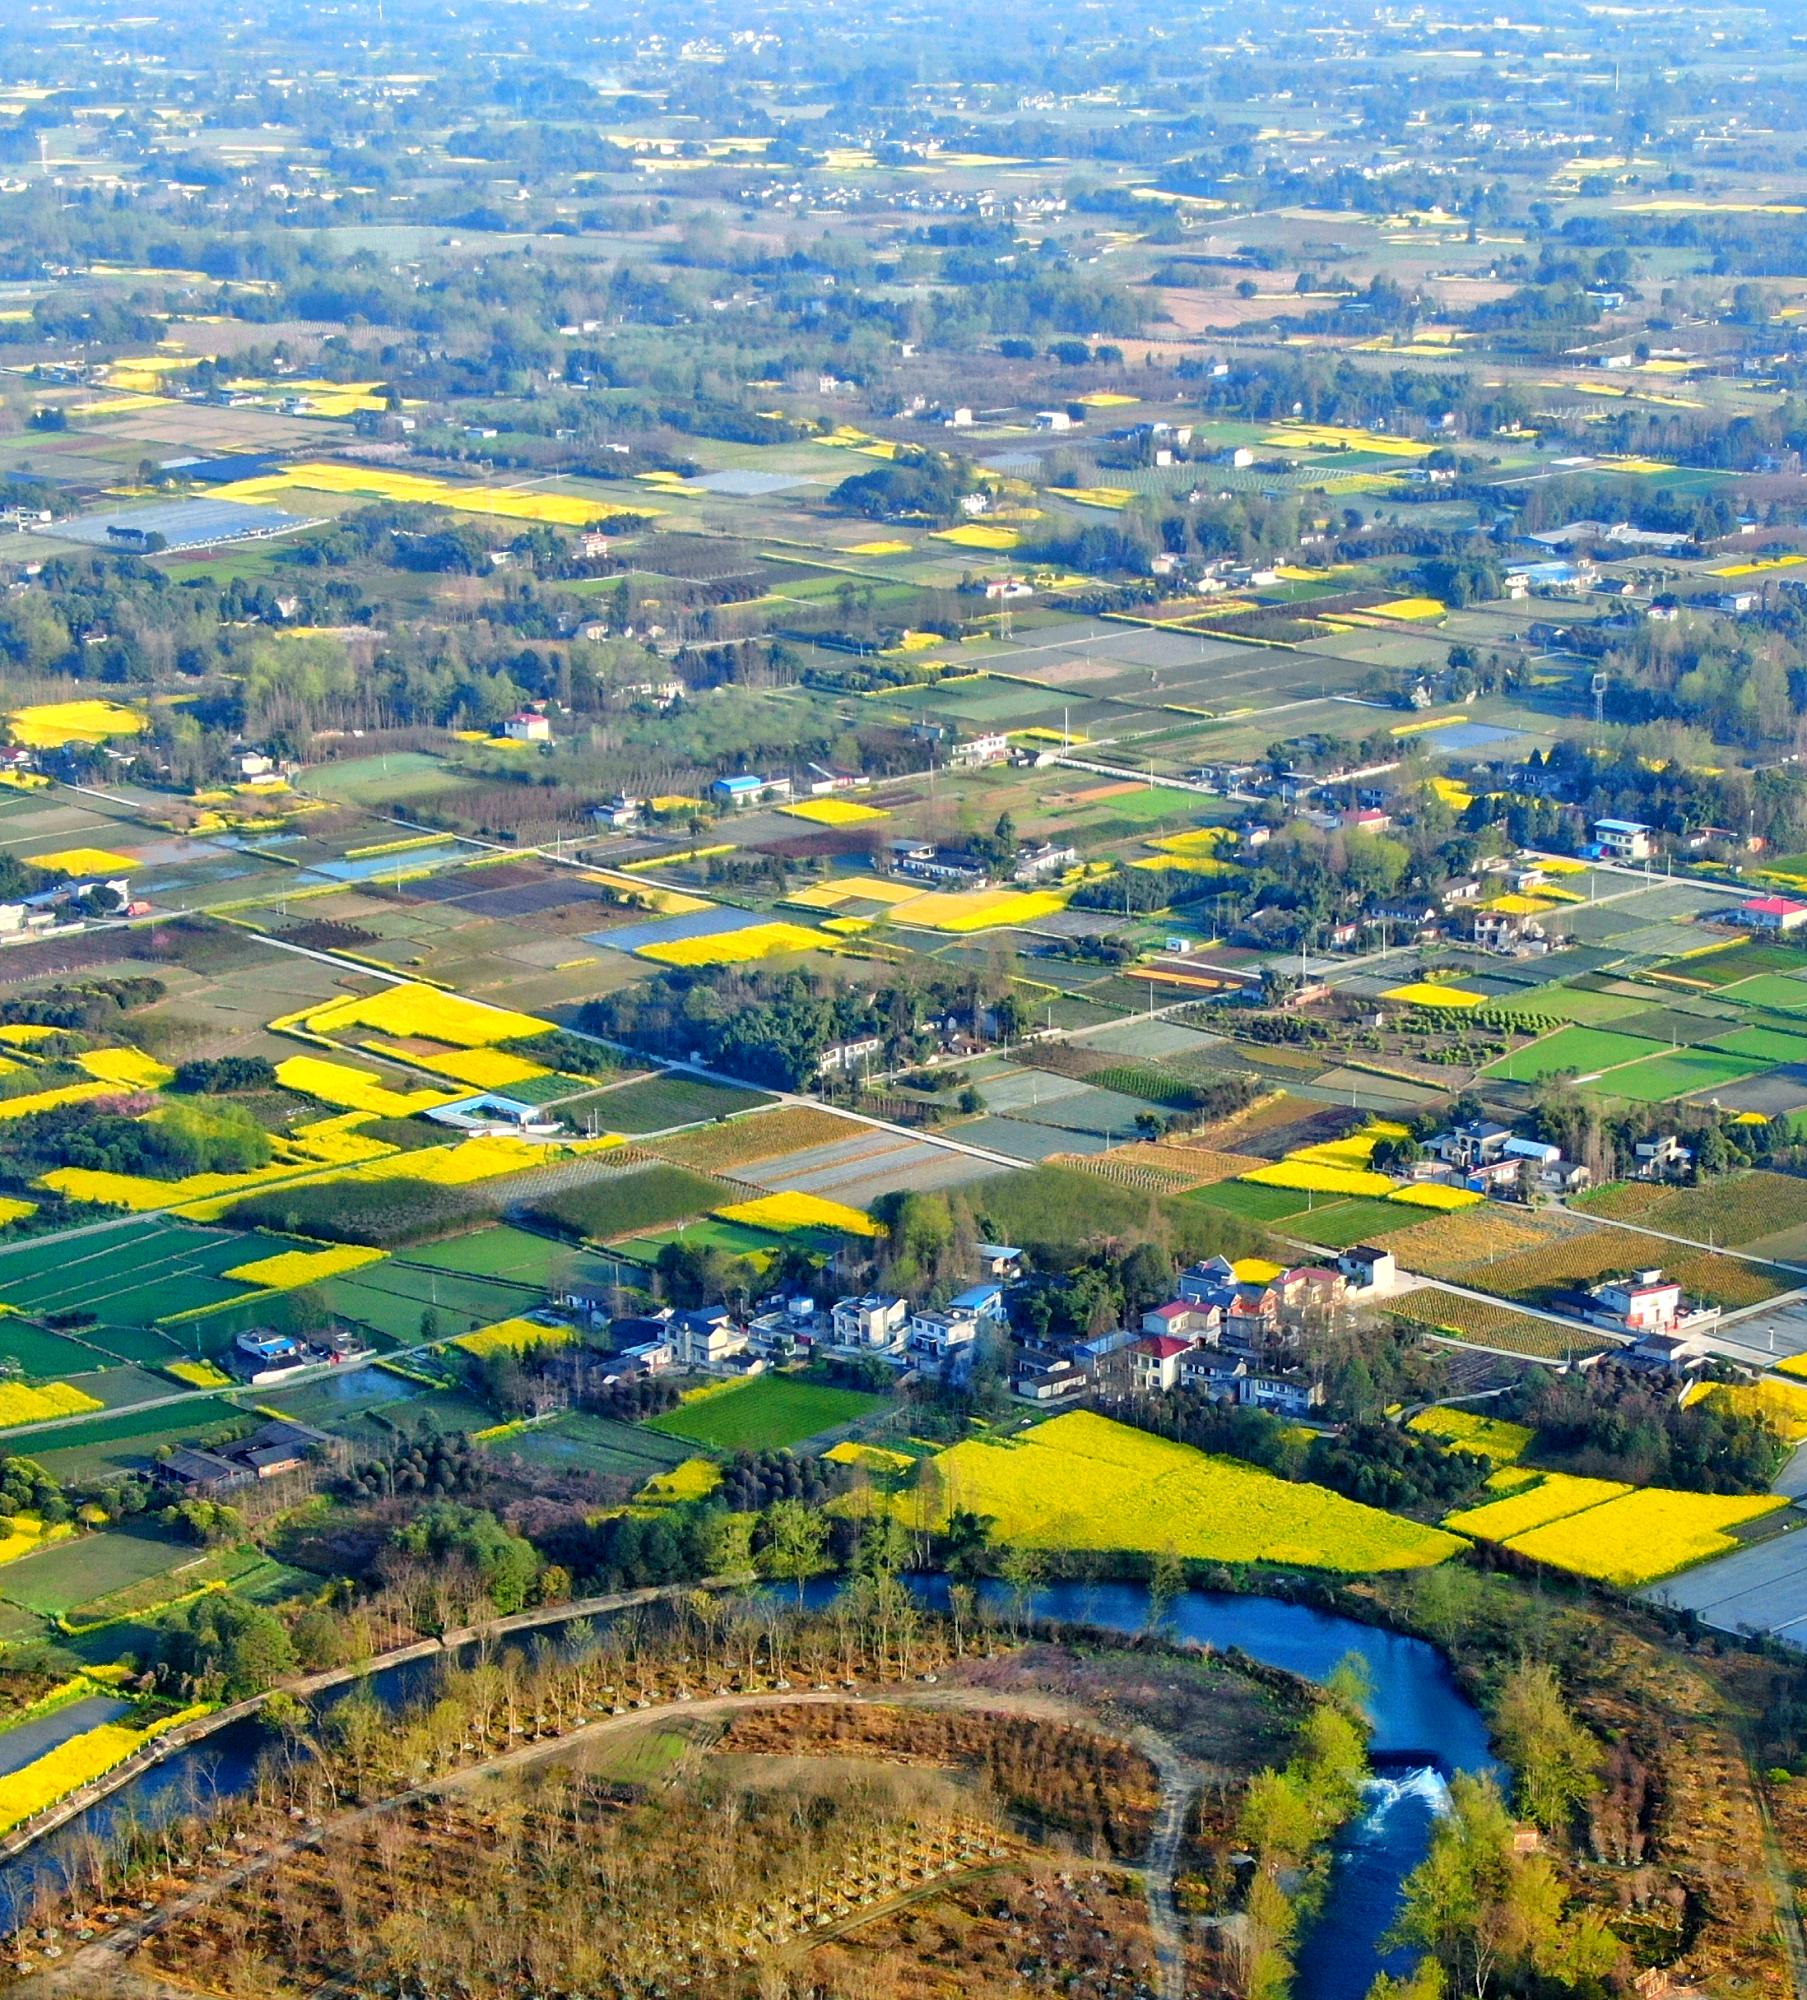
198 1374
508 503
1784 1404
83 861
20 1405
1354 1149
49 725
484 1069
783 1212
139 1192
290 1268
1422 993
963 910
1555 1495
976 535
1411 608
512 1335
874 1457
1334 437
1435 1194
425 1011
356 1089
78 1762
694 1479
1084 1482
833 812
12 1209
1468 1430
130 1069
854 889
735 947
1643 1535
48 1100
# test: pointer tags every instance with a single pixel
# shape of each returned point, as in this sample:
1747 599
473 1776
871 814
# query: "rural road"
97 1970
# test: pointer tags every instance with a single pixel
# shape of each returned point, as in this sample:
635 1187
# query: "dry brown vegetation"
1100 1794
763 1136
1672 1848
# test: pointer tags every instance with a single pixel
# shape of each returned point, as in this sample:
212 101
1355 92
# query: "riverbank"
189 1735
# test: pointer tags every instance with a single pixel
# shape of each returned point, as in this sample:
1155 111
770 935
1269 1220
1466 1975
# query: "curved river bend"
1424 1731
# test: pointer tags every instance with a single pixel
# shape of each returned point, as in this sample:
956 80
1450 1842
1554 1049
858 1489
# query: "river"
1424 1730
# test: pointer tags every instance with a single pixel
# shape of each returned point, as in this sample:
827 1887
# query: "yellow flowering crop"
83 861
290 1268
20 1405
695 1479
732 947
1555 1495
416 1009
48 1100
1356 1149
137 1191
509 503
855 889
481 1159
51 724
783 1212
14 1210
1645 1534
1256 1270
1435 1194
1411 608
76 1763
356 1089
833 812
337 1141
198 1374
23 1035
1084 1482
484 1069
975 535
1783 1404
850 1452
1467 1430
963 910
1422 993
131 1069
512 1335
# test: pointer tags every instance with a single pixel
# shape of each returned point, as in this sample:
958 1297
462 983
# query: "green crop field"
738 1239
90 1566
1742 961
580 1442
1769 989
91 1448
503 1251
392 1296
1680 1075
1764 1045
1566 1003
656 1102
767 1413
647 1199
1577 1050
1338 1224
1253 1204
42 1355
130 1277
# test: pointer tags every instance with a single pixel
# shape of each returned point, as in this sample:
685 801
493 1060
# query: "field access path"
99 1967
